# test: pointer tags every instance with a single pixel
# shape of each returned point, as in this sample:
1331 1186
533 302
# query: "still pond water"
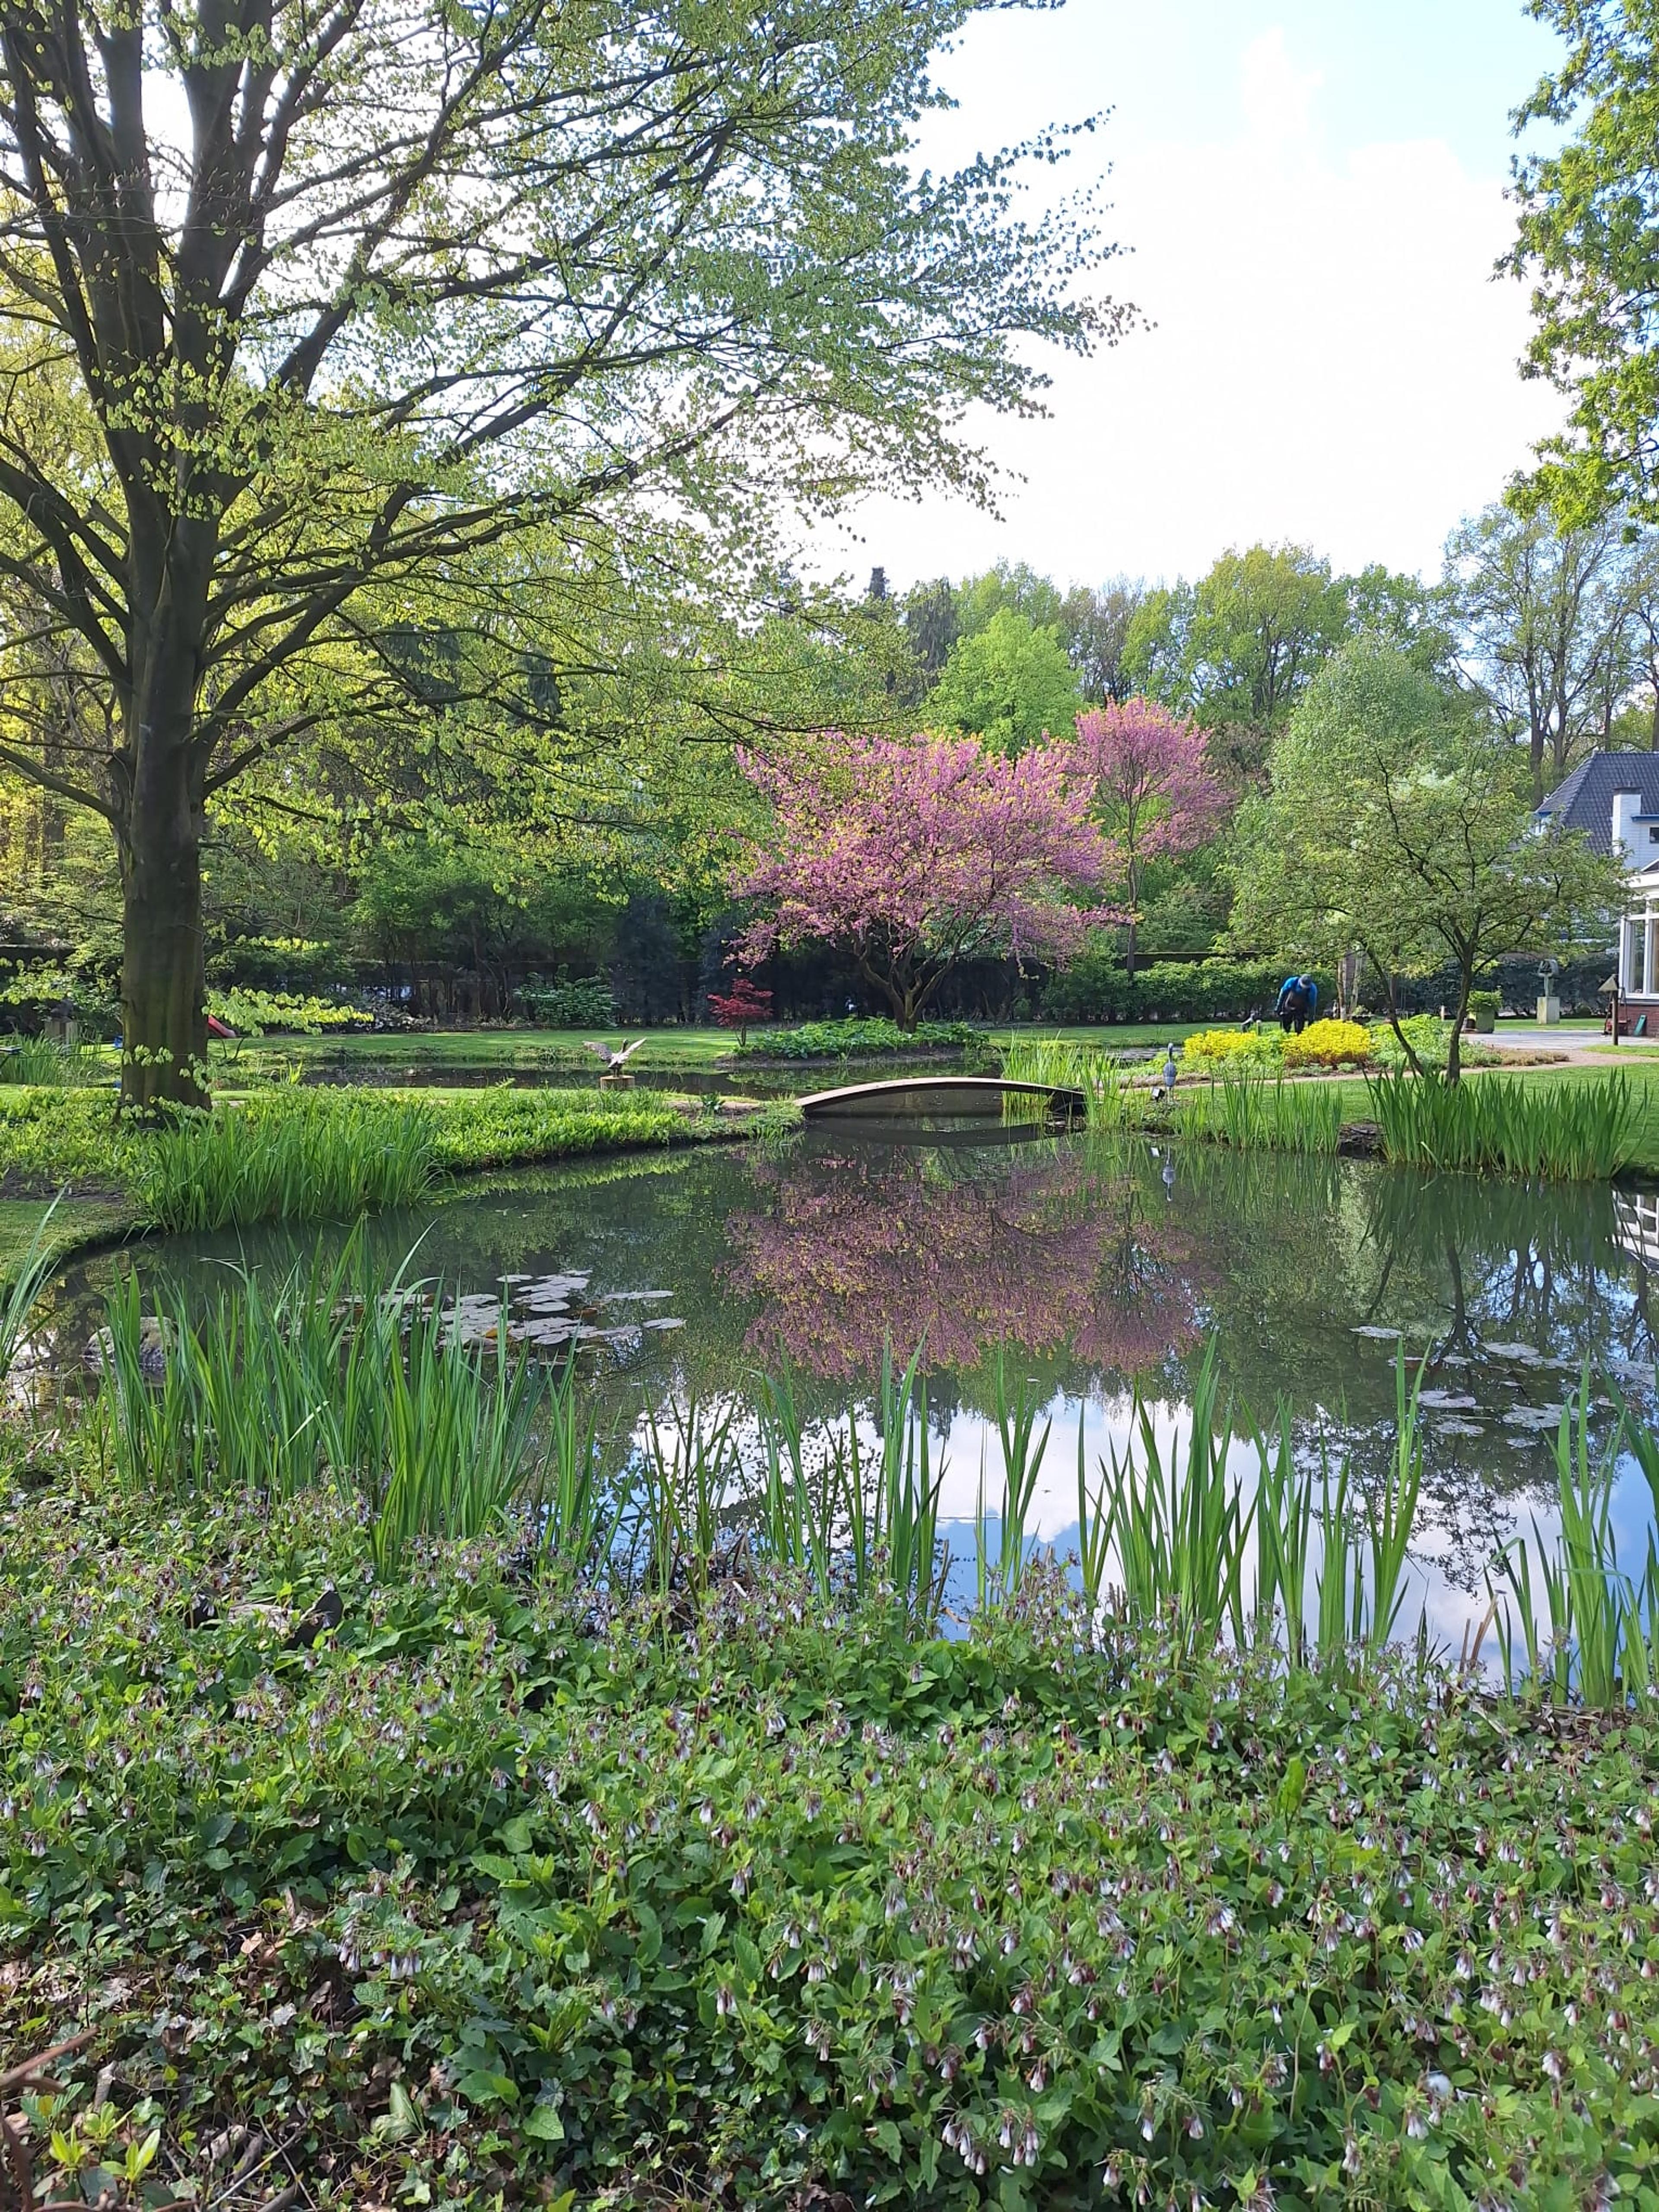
1098 1263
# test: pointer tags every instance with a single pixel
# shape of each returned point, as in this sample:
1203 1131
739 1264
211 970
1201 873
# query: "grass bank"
459 1891
290 1154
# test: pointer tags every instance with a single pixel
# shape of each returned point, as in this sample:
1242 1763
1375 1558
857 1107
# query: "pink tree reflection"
1047 1255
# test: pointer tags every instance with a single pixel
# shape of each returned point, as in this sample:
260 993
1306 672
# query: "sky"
1311 196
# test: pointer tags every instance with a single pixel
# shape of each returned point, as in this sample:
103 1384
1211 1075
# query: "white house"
1614 798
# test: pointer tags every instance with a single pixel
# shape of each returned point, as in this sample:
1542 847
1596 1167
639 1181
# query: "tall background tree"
346 299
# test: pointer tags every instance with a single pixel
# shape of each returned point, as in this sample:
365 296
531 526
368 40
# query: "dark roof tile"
1583 801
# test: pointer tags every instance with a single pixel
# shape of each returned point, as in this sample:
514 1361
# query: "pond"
1094 1264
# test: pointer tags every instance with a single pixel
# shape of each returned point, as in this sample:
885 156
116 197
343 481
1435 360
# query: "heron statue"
614 1062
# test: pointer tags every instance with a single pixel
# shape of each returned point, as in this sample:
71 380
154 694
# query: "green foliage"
1008 682
501 1125
295 1156
1254 1111
1599 1642
1428 1036
38 1059
1241 645
1589 212
1577 1133
1396 822
1096 988
585 1901
257 1013
566 1004
861 1038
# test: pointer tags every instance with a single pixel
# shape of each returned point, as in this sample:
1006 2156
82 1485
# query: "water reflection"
1050 1248
1096 1265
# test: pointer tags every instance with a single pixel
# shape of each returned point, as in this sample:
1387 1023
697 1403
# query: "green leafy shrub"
1430 1038
1486 1006
1095 989
862 1037
583 1004
1212 1050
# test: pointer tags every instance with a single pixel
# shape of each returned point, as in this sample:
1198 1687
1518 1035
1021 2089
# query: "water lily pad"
1536 1418
1448 1402
1371 1329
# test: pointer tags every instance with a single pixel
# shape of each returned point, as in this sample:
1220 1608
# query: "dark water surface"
1096 1263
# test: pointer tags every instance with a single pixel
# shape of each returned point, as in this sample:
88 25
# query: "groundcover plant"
467 1888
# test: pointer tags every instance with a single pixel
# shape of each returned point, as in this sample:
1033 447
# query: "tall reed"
1500 1125
997 1572
1254 1111
295 1155
334 1374
1599 1639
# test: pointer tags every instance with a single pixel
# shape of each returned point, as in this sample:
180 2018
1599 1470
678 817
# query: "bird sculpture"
614 1061
1171 1070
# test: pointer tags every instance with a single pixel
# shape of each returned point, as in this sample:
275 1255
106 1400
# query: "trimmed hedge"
1095 989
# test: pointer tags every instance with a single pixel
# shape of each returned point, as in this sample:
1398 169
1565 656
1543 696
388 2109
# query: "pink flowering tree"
914 854
1152 792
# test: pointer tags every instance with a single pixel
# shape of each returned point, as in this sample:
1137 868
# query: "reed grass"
295 1156
1489 1125
998 1571
21 1294
335 1374
38 1060
1255 1111
1599 1639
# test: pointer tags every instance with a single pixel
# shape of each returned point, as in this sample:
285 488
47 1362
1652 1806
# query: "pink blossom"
1153 789
917 853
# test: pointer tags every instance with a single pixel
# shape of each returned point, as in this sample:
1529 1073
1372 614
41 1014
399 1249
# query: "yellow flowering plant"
1329 1044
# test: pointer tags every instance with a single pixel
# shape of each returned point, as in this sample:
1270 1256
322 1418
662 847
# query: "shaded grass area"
465 1894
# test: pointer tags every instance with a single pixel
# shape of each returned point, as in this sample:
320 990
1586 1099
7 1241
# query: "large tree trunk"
163 987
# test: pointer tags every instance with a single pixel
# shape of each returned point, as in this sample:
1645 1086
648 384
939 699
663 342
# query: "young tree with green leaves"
1396 822
1009 682
353 296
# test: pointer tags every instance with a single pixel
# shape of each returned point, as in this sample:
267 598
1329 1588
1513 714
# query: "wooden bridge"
908 1095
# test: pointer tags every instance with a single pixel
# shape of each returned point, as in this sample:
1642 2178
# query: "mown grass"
466 1893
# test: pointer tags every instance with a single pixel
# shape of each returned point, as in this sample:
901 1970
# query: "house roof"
1584 800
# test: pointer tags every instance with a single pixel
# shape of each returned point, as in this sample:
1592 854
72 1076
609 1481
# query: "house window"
1653 836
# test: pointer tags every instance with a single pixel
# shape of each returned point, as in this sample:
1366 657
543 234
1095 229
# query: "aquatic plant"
296 1156
1251 1111
21 1294
1599 1642
998 1571
1569 1131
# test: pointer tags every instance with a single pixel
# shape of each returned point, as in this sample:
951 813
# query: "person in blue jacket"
1298 1002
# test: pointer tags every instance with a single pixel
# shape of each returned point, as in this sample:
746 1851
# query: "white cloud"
1333 363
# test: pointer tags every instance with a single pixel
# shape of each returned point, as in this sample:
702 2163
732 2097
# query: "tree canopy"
1397 823
341 301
